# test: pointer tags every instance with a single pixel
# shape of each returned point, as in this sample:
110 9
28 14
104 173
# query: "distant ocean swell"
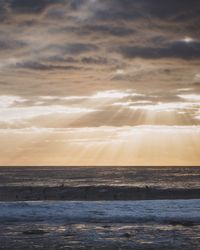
185 212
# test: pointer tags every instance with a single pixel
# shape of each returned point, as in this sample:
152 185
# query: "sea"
122 224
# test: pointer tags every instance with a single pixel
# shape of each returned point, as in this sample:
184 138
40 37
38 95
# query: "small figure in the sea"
127 235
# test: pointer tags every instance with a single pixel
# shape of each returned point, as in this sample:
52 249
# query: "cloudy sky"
100 82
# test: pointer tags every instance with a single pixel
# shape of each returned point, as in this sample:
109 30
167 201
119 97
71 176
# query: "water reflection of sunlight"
188 39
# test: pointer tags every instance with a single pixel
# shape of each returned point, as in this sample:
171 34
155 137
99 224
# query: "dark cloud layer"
113 9
72 48
173 50
152 8
11 44
41 66
29 6
70 34
102 30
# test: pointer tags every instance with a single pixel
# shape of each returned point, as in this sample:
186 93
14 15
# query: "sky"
99 83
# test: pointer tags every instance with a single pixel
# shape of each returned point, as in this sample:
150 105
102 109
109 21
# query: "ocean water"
108 225
129 176
166 224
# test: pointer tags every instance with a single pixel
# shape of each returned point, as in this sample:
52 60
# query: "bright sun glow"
114 94
188 39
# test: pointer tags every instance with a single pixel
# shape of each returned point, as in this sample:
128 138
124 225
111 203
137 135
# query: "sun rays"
139 145
53 130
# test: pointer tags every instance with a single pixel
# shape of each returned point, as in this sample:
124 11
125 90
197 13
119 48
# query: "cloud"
172 50
61 58
94 60
98 37
41 66
31 6
3 10
130 10
191 97
73 48
196 79
12 44
102 30
8 101
112 10
69 64
20 114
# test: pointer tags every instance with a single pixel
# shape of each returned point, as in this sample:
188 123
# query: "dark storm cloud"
181 50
